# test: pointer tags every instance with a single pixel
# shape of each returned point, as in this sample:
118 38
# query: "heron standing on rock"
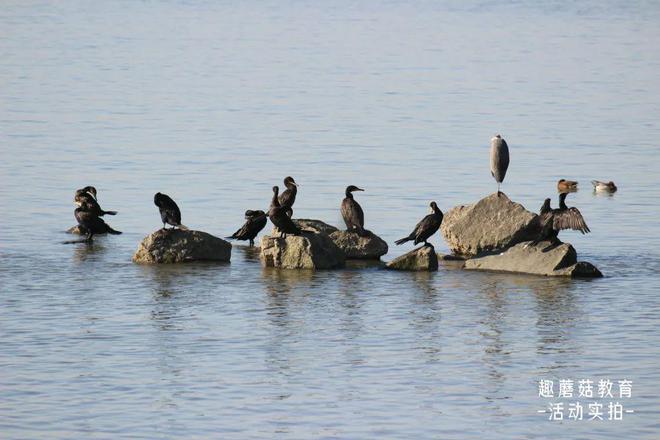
499 160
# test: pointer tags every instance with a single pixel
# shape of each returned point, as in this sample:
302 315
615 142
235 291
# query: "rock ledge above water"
179 246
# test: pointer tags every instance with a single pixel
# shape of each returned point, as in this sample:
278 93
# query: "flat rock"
311 250
490 224
314 225
179 246
423 258
540 259
368 247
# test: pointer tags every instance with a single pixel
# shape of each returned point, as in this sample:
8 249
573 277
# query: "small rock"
178 246
369 247
490 224
540 259
423 258
308 251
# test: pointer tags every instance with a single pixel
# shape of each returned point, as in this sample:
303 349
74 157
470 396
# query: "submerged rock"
368 247
311 250
540 259
423 258
490 224
179 246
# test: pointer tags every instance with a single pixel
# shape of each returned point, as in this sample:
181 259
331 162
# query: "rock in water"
541 259
369 247
490 224
308 251
423 258
179 246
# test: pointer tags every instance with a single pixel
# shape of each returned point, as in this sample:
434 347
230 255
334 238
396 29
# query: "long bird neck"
275 201
291 187
562 201
349 195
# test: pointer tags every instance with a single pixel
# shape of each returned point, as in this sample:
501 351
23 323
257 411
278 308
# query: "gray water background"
215 102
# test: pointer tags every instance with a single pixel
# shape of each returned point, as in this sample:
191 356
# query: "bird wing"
352 213
570 218
286 198
423 228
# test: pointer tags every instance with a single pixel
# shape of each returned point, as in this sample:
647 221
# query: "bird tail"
183 227
402 240
110 212
112 231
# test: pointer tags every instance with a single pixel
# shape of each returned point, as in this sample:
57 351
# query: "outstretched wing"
570 219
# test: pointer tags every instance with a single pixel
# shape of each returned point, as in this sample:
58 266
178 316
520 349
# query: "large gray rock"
179 246
540 259
369 247
310 250
423 258
490 224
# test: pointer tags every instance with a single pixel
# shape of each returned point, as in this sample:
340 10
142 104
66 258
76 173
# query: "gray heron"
499 159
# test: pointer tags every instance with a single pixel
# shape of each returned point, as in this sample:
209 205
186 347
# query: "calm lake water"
215 102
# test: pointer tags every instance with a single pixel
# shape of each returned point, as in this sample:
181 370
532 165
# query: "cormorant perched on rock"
604 186
88 195
551 221
352 212
279 217
255 222
89 223
288 196
169 211
499 159
567 185
425 228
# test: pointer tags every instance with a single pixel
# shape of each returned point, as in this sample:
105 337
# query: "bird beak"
359 189
295 184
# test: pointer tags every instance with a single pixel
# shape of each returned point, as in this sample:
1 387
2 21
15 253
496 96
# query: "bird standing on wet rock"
169 211
425 228
551 221
288 196
88 195
89 223
499 160
352 212
255 221
279 217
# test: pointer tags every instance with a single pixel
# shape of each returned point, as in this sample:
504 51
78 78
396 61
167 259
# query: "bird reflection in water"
86 251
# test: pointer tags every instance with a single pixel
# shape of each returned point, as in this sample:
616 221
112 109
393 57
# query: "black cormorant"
169 211
288 196
425 228
352 212
551 221
279 217
89 223
499 159
88 195
255 221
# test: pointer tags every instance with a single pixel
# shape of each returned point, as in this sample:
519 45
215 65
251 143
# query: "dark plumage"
288 196
89 223
279 217
255 221
352 212
551 221
169 211
425 228
88 195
